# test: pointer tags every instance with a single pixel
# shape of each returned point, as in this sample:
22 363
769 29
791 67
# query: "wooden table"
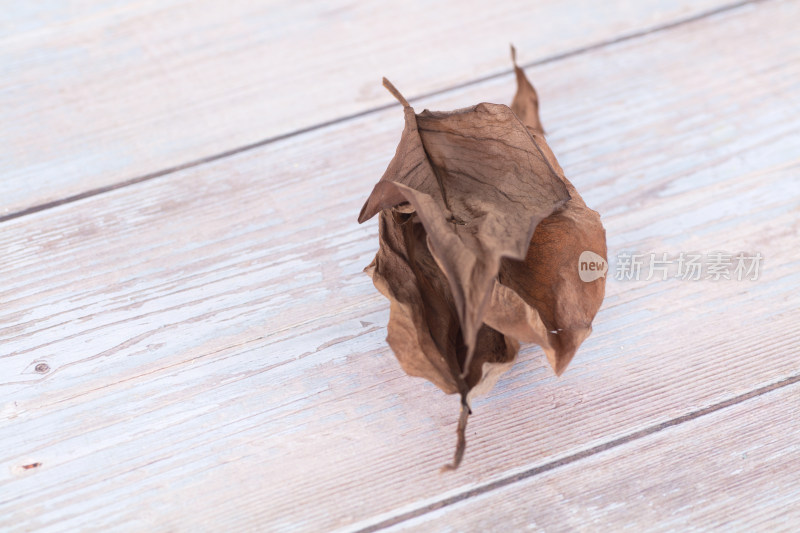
188 342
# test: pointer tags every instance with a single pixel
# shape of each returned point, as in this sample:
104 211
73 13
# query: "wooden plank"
97 93
217 358
733 470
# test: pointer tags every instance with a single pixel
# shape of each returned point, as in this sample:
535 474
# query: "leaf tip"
392 89
362 216
562 359
513 54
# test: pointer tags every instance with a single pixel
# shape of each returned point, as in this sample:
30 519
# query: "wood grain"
733 470
217 357
98 93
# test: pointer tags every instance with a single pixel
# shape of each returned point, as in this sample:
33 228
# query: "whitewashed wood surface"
732 470
100 93
216 357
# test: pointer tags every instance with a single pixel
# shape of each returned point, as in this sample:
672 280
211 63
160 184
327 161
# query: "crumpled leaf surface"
480 234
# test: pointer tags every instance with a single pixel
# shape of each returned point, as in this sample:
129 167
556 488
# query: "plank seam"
346 118
578 456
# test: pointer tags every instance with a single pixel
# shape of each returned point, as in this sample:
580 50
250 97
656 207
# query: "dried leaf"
480 234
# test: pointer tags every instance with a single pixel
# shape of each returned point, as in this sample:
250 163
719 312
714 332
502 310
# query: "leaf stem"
462 436
392 89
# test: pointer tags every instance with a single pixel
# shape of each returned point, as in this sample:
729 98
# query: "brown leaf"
480 234
548 279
